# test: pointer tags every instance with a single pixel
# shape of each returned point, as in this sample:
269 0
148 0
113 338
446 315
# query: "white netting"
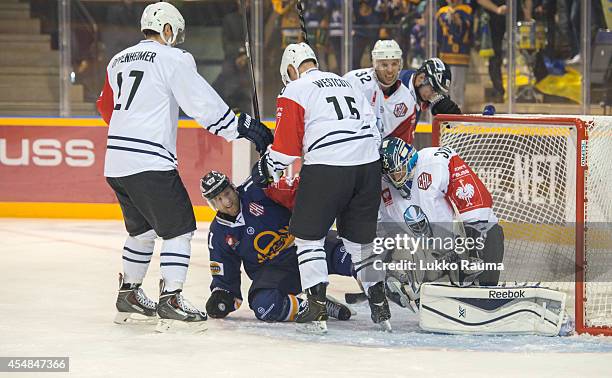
530 170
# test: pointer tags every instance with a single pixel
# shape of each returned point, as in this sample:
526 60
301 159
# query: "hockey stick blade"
353 298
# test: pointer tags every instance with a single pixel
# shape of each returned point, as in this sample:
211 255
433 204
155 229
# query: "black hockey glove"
444 105
260 174
220 303
255 131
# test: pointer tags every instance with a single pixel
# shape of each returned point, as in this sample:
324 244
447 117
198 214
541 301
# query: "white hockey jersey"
323 118
145 85
397 114
441 177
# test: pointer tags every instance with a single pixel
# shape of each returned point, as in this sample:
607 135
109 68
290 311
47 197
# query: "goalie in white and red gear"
427 186
394 104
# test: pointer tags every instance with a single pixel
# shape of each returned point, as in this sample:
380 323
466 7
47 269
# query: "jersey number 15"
349 101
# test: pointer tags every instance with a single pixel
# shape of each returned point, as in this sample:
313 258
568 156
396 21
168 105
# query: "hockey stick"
246 24
300 10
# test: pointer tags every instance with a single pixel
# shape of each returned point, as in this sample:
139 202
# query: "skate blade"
134 318
385 326
313 328
173 325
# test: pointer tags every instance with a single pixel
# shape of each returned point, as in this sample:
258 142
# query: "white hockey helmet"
157 15
294 55
386 49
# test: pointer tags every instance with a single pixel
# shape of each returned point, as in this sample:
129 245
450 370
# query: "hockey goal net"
551 182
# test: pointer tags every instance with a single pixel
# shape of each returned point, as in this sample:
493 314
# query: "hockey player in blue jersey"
251 229
430 85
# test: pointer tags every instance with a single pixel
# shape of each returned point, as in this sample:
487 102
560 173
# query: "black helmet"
212 184
438 74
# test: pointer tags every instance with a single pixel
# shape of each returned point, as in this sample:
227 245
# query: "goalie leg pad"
491 310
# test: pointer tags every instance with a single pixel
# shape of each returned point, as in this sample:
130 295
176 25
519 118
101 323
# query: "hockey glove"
220 303
260 173
255 131
444 105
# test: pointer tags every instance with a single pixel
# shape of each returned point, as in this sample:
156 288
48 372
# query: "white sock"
312 261
174 261
137 253
363 257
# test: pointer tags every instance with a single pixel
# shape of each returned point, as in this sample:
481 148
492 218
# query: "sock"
363 258
312 261
174 261
137 253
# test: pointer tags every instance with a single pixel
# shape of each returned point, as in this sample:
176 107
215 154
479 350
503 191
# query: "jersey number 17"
137 75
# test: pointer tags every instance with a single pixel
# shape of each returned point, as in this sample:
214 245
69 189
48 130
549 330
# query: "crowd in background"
462 27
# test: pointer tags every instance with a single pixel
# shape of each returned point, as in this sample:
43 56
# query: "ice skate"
399 294
379 306
337 309
133 305
176 313
312 315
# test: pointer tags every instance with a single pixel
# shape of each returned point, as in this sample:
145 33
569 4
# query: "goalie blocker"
493 310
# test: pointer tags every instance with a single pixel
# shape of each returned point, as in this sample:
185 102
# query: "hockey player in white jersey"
398 105
321 117
145 85
395 106
429 189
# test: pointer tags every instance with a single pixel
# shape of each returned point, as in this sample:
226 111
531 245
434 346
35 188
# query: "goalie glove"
220 303
255 131
443 105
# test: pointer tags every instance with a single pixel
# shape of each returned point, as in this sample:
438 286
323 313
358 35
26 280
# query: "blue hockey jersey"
258 236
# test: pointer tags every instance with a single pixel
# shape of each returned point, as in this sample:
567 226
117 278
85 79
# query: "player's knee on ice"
271 305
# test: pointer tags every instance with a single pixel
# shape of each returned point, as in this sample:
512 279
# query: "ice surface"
58 282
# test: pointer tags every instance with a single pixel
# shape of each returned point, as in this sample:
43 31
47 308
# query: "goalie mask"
157 15
386 71
437 74
294 55
417 221
398 161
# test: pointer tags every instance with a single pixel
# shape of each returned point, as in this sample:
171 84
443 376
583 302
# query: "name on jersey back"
147 56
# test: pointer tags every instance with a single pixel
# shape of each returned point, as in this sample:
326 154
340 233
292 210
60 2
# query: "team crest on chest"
256 209
424 181
400 110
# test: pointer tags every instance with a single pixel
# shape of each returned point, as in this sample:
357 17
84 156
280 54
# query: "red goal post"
548 174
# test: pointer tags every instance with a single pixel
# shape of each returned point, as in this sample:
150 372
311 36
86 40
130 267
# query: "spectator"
546 11
289 21
497 25
572 9
336 33
232 33
233 81
393 12
316 16
417 41
365 28
454 43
